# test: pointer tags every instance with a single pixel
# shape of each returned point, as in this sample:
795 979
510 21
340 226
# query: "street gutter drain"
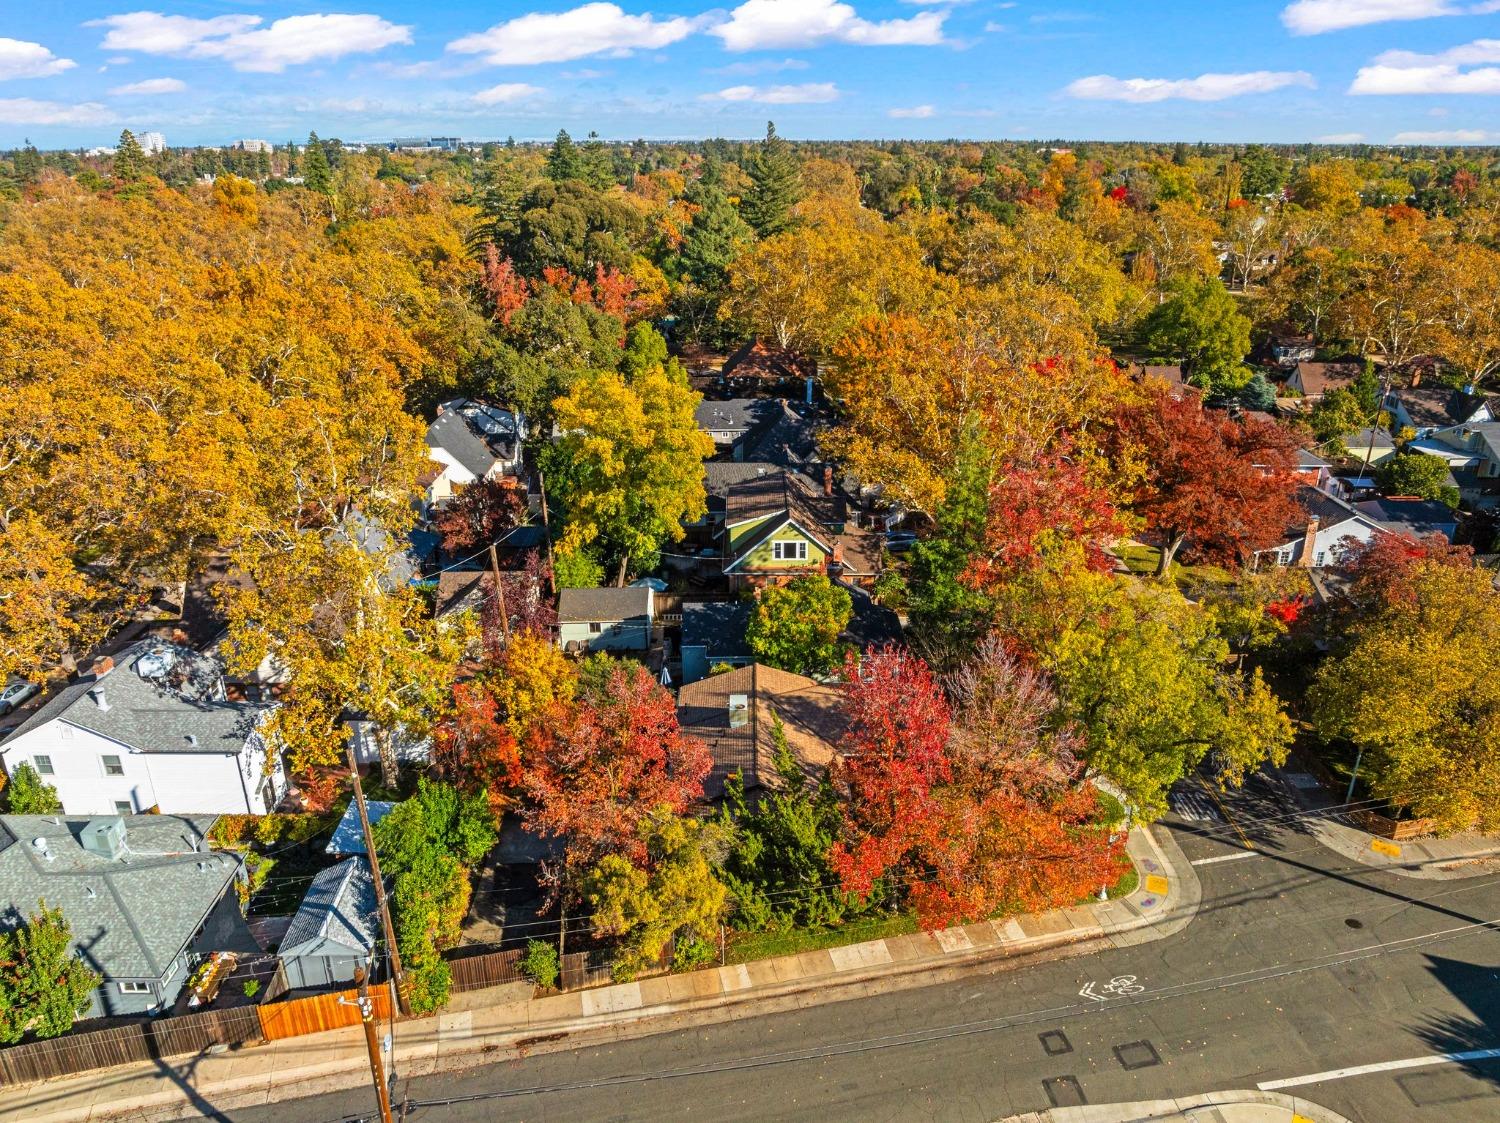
1064 1091
1055 1043
1354 923
1137 1054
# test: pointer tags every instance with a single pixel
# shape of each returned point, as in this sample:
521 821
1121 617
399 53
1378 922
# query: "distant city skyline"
216 71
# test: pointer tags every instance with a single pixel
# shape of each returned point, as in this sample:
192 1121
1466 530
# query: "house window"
112 766
134 988
43 764
122 807
595 629
789 551
1319 559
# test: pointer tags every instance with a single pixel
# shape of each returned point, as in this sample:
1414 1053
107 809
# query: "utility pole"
500 594
541 483
372 1043
398 976
1385 393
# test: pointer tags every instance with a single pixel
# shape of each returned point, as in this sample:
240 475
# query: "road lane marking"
1226 858
1228 818
1384 1066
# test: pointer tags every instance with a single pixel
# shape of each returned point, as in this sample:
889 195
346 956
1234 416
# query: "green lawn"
1193 580
744 947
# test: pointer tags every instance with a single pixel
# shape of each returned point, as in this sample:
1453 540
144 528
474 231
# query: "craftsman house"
151 729
144 896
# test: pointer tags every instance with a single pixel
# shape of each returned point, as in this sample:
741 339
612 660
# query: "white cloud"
244 44
919 111
29 111
809 93
506 93
151 86
767 66
1341 138
593 29
760 24
1313 17
1206 87
1447 136
19 59
1405 72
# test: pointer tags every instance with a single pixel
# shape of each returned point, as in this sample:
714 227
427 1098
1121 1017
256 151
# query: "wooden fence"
478 971
137 1041
318 1012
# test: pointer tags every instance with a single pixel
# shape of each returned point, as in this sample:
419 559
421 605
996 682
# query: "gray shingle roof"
738 415
578 606
1417 517
720 475
132 915
159 695
718 627
349 836
339 907
473 434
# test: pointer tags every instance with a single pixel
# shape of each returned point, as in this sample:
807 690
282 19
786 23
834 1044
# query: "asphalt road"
1300 962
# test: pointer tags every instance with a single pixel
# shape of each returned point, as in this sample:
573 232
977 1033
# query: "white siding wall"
179 783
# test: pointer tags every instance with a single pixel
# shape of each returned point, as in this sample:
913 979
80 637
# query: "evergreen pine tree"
28 163
775 186
316 173
598 167
715 234
564 162
130 159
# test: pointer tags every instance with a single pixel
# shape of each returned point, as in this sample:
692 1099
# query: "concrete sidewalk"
502 1023
1216 1107
1433 859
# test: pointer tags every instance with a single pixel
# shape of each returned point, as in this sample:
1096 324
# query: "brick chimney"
1309 544
828 480
102 666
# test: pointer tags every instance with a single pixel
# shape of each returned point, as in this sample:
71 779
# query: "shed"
335 928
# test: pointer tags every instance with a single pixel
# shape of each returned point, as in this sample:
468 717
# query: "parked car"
899 541
17 691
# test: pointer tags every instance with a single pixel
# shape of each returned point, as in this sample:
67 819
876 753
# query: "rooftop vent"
104 837
156 663
40 844
739 710
192 739
96 692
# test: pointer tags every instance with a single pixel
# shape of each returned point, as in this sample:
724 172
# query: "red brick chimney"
1309 544
828 480
102 666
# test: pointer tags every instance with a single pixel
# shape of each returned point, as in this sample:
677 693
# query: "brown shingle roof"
757 359
1316 379
811 716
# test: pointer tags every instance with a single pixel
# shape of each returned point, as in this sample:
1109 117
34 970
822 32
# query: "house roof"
871 625
474 434
1317 379
786 437
131 915
1306 458
349 836
1417 517
577 606
1437 407
721 475
339 908
161 698
761 360
811 715
1360 439
1327 509
459 590
718 627
736 415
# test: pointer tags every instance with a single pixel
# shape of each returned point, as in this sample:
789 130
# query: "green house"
773 529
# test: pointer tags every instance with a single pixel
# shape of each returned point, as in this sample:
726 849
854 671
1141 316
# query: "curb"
450 1040
1262 1107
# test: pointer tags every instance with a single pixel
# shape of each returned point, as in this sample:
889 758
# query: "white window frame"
118 766
126 804
797 548
595 628
47 769
131 987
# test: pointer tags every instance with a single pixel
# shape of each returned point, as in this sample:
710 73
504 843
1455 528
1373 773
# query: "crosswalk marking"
1193 805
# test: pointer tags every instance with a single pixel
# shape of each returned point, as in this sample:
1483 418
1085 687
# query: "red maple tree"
474 750
1381 569
480 514
1224 488
595 767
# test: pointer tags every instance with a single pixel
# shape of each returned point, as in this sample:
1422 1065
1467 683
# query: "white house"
470 441
152 728
1331 527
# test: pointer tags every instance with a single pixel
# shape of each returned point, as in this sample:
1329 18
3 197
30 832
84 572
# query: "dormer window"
789 551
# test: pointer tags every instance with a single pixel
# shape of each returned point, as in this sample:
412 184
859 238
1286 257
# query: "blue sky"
74 72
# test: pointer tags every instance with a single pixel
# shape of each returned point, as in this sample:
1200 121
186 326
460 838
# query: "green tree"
130 164
29 794
796 626
714 238
1337 414
948 614
1201 326
775 186
1418 690
317 175
1411 473
596 165
1258 393
778 870
677 897
43 984
1264 172
578 568
627 470
564 162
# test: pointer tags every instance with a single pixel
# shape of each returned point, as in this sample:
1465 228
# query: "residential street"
1299 962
